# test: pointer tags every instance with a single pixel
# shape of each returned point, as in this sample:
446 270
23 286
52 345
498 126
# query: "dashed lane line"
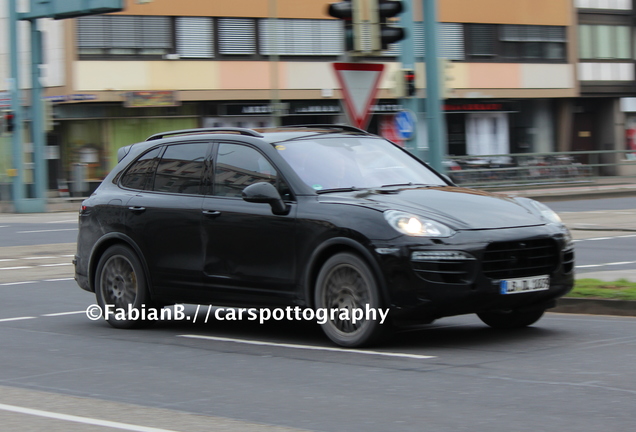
36 281
78 419
50 230
35 266
307 347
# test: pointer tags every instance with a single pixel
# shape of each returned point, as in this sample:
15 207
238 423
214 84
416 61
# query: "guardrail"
540 168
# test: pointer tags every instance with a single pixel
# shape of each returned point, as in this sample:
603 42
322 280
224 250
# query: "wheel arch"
103 244
328 249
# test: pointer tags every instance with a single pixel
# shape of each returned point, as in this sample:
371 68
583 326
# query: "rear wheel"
511 319
346 286
121 288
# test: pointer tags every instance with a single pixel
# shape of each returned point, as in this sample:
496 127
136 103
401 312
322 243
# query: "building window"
533 42
237 36
115 35
604 42
481 40
194 36
451 41
300 37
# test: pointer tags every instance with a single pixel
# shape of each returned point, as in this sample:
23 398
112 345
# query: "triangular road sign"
359 83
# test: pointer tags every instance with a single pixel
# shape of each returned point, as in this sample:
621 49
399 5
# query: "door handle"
212 213
137 209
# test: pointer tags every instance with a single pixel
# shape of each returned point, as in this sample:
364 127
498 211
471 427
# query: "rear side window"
238 166
181 169
139 175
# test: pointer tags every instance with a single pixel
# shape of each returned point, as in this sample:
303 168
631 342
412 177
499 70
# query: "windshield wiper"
345 189
404 184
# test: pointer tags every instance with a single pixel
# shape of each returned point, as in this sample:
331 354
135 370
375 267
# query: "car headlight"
417 226
547 213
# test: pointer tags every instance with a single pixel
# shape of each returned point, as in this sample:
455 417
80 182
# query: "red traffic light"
8 121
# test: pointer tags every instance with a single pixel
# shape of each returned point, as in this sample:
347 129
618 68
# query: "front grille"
504 260
444 267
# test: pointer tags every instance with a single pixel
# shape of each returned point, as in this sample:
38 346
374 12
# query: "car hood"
459 208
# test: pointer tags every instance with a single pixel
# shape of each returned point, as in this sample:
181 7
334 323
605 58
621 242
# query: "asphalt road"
61 371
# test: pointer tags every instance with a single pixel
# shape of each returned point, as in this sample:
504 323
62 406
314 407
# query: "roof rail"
326 126
241 131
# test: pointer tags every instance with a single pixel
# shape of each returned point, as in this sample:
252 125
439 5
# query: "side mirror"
262 192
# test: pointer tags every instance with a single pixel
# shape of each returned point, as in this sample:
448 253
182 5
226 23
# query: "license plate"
521 285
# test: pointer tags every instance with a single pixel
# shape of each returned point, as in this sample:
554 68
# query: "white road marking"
78 419
37 281
64 221
605 238
64 313
19 283
39 257
308 347
51 230
606 264
17 319
36 266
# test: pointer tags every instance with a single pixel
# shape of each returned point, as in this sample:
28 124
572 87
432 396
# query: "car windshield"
354 163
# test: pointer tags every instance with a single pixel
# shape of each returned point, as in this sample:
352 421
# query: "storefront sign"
71 98
312 107
471 107
144 99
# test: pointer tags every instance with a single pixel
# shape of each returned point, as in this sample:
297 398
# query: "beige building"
161 65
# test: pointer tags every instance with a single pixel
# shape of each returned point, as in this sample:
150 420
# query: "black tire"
511 319
120 282
345 281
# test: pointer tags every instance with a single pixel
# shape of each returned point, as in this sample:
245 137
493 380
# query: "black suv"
320 217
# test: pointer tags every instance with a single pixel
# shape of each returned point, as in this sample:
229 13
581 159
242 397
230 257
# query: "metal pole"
434 114
16 108
273 61
37 121
407 58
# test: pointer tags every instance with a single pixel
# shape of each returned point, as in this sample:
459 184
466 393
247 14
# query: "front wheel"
346 289
120 287
511 319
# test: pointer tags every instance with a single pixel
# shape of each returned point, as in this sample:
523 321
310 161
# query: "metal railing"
540 168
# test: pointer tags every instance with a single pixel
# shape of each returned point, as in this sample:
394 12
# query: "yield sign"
359 83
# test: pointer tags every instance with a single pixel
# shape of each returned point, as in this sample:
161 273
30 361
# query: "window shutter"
300 37
91 32
155 32
124 32
482 38
236 36
451 41
194 37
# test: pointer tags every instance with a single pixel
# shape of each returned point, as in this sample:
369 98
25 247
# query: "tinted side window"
139 175
181 169
238 166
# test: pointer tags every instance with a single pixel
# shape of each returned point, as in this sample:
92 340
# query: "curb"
595 306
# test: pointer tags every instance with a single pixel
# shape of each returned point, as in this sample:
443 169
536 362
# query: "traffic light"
409 82
387 34
348 11
8 121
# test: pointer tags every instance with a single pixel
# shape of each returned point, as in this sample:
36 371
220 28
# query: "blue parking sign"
405 124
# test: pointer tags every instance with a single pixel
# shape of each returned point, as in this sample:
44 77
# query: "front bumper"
427 279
